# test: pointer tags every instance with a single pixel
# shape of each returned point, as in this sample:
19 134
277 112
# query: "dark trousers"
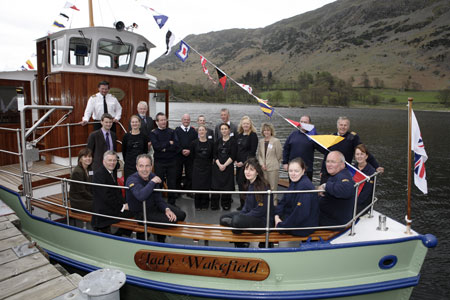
187 164
160 217
201 201
167 172
238 220
225 201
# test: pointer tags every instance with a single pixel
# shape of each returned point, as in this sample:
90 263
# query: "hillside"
394 41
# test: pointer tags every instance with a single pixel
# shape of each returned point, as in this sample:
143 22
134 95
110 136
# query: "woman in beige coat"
269 155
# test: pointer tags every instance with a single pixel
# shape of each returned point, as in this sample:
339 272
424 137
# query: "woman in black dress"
223 169
202 152
80 195
133 144
247 143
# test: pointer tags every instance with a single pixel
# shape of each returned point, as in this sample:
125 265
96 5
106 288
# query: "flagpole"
408 216
91 14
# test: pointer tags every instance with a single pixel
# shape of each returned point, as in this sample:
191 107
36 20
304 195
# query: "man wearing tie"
102 103
184 160
147 123
102 140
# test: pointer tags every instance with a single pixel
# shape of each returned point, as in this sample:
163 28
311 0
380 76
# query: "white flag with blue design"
420 156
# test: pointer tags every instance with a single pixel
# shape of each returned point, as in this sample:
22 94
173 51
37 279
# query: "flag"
183 52
203 61
30 65
161 20
326 140
420 156
266 108
59 25
170 39
65 16
247 88
357 176
309 128
222 78
22 68
70 5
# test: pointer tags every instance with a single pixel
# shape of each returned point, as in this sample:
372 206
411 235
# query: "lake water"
385 133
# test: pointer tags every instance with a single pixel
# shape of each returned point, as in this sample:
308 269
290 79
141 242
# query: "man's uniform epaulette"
354 133
93 96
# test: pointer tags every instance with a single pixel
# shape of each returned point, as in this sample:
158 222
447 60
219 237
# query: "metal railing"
268 229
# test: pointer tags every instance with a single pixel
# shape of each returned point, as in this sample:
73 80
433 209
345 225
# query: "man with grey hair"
336 203
201 120
108 200
347 147
184 161
224 118
147 123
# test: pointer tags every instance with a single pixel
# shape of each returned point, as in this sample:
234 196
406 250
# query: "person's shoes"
263 245
226 207
197 208
240 208
204 208
214 208
160 238
241 245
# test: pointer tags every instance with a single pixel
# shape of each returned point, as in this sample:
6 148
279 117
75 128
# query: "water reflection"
385 133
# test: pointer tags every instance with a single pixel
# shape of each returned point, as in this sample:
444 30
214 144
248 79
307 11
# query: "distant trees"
444 97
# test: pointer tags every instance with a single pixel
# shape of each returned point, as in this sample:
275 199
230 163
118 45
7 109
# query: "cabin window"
79 51
141 59
57 51
8 105
114 55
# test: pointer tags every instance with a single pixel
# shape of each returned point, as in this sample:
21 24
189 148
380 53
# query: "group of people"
215 161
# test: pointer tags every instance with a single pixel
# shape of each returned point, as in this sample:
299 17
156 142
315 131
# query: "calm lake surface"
385 133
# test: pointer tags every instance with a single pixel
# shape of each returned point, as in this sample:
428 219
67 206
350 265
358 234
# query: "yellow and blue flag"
266 108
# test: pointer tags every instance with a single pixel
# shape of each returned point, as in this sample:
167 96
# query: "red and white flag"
248 89
71 5
420 156
203 61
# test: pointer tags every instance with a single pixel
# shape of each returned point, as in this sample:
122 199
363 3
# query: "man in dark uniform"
186 135
107 200
346 147
336 204
165 146
299 145
141 185
102 140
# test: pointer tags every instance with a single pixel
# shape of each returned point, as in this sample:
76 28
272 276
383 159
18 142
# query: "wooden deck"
14 182
29 276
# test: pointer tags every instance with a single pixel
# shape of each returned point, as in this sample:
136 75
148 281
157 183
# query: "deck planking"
31 276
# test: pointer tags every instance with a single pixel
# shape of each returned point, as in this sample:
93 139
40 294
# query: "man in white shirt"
101 103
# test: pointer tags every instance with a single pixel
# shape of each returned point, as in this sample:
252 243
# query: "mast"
91 14
408 216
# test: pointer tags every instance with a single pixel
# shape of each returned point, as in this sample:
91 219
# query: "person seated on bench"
107 200
80 195
298 210
336 204
141 185
254 212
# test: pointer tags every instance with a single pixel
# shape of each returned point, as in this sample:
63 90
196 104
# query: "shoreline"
385 107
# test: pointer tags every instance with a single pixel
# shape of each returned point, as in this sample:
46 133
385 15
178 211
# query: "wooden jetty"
25 272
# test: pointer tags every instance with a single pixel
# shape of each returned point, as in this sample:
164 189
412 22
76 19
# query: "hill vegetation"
400 45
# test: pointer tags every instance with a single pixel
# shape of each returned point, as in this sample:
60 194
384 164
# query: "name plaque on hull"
202 265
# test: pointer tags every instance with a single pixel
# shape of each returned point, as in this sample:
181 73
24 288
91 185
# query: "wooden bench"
197 234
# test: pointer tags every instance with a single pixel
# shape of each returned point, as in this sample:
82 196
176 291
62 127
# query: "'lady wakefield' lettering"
202 265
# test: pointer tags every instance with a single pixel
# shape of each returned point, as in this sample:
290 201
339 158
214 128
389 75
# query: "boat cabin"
70 64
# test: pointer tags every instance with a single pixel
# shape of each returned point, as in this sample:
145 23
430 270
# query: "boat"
371 257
